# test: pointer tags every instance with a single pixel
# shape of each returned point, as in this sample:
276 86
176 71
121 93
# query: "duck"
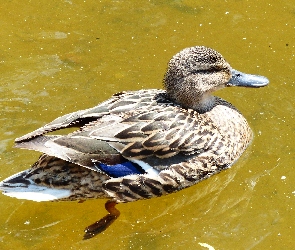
141 144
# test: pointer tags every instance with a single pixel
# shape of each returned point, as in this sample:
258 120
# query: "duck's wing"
79 150
120 102
159 137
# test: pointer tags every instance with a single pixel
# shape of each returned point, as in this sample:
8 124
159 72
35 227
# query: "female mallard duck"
141 144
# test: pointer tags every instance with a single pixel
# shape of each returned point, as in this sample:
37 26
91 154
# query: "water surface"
60 56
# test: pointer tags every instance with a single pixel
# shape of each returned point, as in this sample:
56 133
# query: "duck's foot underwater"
103 223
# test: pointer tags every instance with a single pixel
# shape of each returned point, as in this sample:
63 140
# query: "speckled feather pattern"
53 172
159 128
184 133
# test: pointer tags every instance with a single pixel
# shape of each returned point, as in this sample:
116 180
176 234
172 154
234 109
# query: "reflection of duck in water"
141 144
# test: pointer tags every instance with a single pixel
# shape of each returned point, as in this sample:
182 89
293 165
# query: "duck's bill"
247 80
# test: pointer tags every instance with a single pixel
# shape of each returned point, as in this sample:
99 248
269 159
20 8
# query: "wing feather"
123 127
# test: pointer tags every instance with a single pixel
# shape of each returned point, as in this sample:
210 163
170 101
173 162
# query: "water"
60 56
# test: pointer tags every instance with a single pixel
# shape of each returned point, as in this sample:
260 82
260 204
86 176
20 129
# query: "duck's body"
142 144
172 141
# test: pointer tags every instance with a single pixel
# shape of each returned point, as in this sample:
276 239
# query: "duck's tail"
21 187
51 178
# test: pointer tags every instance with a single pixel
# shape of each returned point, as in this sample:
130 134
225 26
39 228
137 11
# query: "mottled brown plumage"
175 137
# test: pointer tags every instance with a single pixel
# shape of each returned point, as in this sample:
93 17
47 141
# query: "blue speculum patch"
121 169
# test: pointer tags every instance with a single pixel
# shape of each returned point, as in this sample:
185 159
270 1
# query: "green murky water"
60 56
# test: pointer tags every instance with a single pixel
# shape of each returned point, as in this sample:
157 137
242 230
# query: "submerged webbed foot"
103 223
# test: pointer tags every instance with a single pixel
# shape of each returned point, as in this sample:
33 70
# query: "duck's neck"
202 103
205 103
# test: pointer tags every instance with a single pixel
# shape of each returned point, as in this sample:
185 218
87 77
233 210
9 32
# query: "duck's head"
194 73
